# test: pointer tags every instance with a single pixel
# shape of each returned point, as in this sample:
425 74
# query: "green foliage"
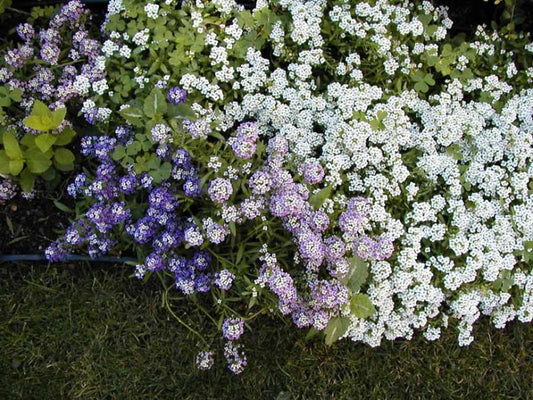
336 328
361 306
4 4
37 155
43 119
357 275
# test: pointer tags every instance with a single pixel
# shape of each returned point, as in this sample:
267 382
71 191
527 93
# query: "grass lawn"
81 332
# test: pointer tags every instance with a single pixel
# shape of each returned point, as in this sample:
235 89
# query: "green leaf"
361 306
28 140
335 329
132 115
166 169
63 207
181 111
429 79
382 114
15 166
58 116
45 141
49 175
311 334
40 109
133 148
64 156
15 95
421 87
317 199
38 123
240 253
11 146
358 274
37 161
27 180
4 162
119 153
155 103
65 136
233 228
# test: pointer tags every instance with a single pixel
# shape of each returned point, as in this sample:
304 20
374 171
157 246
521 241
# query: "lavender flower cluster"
61 60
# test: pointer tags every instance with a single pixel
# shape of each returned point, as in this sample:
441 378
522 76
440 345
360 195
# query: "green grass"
80 332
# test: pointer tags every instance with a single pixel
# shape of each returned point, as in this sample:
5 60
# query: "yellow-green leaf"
45 141
15 166
11 146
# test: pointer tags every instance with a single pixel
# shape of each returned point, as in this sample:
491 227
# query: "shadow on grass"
79 332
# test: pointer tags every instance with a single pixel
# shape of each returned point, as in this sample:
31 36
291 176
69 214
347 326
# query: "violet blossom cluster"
62 60
276 193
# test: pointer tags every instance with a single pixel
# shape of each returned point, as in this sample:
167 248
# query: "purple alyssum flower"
232 328
224 279
205 360
235 357
220 190
313 172
176 95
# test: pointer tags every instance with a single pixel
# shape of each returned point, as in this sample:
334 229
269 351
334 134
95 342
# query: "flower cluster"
389 187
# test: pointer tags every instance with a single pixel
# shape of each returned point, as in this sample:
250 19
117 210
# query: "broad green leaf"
317 199
133 148
27 180
5 101
119 153
132 115
421 87
528 251
37 122
166 169
64 156
429 79
4 163
45 141
181 111
155 103
15 95
361 306
15 166
28 140
40 109
37 161
382 114
11 146
154 162
358 274
336 328
58 116
65 136
49 175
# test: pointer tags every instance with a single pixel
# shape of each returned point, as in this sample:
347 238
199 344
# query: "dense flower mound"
57 62
345 164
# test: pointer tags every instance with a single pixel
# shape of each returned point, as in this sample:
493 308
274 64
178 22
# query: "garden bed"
361 171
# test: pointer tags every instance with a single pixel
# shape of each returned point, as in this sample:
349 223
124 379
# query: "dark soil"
29 226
